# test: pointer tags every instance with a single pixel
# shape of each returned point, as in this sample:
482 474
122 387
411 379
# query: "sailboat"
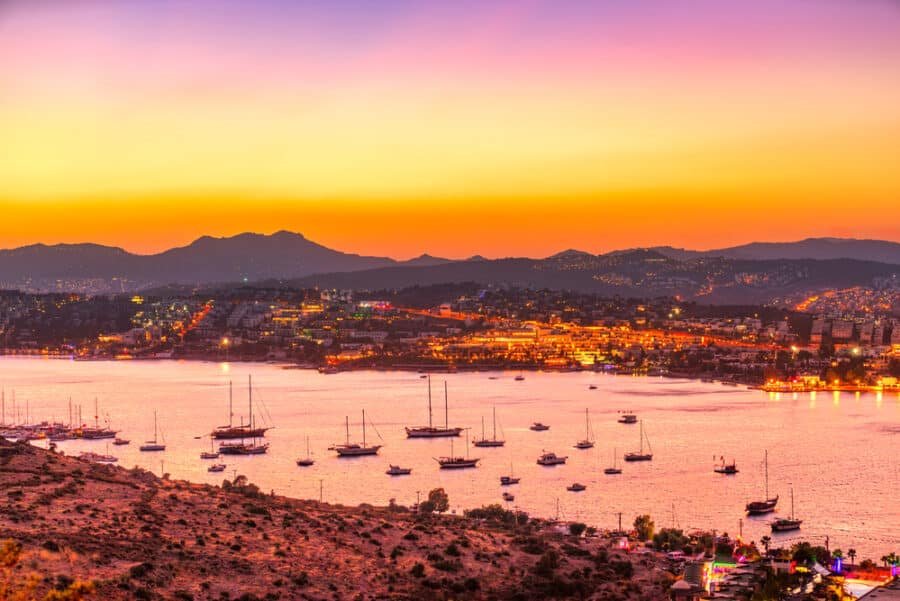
308 460
493 441
97 432
452 462
248 430
786 524
211 453
641 455
432 431
154 445
615 469
354 449
510 479
586 443
768 505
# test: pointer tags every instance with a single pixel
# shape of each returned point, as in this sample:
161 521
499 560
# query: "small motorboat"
209 455
121 442
98 457
576 487
550 458
592 387
396 470
726 468
628 418
519 378
509 497
509 480
218 467
539 427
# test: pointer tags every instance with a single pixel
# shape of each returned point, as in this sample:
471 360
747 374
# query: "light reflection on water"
842 458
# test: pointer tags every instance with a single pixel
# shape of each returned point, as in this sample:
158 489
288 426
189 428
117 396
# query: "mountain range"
756 271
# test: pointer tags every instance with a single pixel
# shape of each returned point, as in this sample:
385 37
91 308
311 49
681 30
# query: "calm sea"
839 452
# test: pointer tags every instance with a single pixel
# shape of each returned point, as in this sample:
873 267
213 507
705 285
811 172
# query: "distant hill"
247 257
880 251
639 273
750 273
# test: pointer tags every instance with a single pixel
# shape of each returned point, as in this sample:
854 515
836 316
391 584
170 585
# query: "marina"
853 506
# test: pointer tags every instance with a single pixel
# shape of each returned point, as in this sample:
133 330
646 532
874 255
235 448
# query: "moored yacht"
576 487
396 470
493 441
453 462
432 431
539 427
587 442
551 458
726 468
153 445
355 449
641 455
787 524
308 460
615 469
242 430
767 505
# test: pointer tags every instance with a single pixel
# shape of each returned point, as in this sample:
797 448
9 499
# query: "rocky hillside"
136 536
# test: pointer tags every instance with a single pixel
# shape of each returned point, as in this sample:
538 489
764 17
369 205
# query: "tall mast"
364 427
250 399
642 437
767 474
446 414
586 428
154 427
347 426
3 403
482 427
96 414
70 412
429 400
230 405
494 436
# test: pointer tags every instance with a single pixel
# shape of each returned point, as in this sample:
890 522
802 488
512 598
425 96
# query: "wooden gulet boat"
493 441
432 431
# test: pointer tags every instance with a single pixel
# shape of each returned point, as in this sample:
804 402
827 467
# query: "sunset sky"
499 128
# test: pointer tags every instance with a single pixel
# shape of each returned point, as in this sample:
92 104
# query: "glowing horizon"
518 128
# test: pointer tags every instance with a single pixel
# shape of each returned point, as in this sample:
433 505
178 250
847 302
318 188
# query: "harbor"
688 422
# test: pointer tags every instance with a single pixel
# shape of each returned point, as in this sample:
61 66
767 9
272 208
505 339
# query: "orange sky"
516 129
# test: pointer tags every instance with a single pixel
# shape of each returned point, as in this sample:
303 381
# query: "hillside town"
780 349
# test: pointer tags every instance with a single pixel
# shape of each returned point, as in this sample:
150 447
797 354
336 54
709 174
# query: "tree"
644 527
437 502
851 553
766 541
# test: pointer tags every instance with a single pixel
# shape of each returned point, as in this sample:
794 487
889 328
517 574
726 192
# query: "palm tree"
766 541
851 553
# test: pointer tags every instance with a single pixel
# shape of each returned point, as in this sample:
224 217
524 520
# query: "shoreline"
706 378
